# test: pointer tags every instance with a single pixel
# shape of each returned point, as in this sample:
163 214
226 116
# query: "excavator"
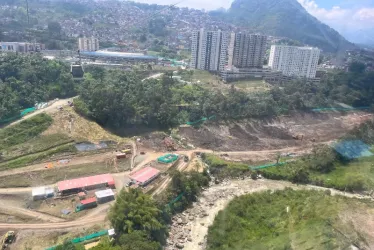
7 239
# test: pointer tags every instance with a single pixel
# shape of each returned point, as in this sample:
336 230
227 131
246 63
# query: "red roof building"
90 182
145 176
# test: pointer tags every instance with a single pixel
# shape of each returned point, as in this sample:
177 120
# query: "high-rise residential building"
209 50
249 50
88 44
294 61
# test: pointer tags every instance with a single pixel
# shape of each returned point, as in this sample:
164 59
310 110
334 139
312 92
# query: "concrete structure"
145 176
118 56
209 50
248 51
104 196
88 44
85 183
21 47
294 61
236 74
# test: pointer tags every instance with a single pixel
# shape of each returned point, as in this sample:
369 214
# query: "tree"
54 28
357 67
143 38
137 240
133 211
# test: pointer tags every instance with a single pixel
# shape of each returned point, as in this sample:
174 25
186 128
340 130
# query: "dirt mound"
285 131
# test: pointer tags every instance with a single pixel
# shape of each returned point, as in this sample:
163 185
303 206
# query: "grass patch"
35 145
24 130
221 168
28 159
260 221
204 77
51 176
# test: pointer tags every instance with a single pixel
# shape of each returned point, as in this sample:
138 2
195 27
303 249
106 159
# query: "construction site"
67 194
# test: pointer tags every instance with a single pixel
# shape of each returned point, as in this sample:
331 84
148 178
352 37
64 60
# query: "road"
50 109
155 76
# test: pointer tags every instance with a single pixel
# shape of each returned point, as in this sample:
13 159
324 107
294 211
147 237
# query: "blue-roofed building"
118 56
352 149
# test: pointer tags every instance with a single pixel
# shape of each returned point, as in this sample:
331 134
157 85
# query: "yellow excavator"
7 239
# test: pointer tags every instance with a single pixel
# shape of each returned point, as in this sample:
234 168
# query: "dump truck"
7 239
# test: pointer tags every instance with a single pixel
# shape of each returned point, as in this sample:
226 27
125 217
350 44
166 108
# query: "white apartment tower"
209 50
249 50
88 44
294 61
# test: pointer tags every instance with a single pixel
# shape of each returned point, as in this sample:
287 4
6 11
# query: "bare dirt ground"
190 228
275 133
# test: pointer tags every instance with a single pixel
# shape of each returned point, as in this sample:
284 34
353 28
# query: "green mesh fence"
84 238
267 166
201 120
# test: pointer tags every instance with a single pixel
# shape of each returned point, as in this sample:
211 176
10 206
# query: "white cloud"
339 18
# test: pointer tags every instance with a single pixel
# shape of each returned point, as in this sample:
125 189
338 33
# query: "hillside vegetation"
290 219
23 143
27 79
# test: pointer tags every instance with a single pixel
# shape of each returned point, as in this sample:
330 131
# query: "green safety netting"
26 111
267 165
201 120
168 158
84 238
22 113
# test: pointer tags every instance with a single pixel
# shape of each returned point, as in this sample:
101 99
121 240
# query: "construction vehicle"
7 239
186 159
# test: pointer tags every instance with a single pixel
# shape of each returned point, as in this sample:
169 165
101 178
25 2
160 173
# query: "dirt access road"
50 109
216 198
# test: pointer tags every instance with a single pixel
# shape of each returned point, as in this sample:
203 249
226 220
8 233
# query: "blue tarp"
352 149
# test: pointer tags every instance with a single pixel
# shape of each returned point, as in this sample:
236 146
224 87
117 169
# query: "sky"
354 19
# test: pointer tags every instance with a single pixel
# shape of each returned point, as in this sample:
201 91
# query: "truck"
7 239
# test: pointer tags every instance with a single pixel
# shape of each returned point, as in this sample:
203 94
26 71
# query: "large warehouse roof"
145 174
85 182
123 55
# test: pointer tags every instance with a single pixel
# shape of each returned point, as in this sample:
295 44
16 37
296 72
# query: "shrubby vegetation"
261 221
27 79
118 99
24 130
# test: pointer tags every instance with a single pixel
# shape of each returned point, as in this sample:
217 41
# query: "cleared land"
274 133
252 85
51 176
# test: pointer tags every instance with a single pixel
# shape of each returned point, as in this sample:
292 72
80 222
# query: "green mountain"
285 18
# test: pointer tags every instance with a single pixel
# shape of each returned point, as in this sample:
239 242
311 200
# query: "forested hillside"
25 80
119 99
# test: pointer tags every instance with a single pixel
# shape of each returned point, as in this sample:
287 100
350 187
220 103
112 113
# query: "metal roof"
88 201
145 174
104 193
85 182
38 191
101 53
